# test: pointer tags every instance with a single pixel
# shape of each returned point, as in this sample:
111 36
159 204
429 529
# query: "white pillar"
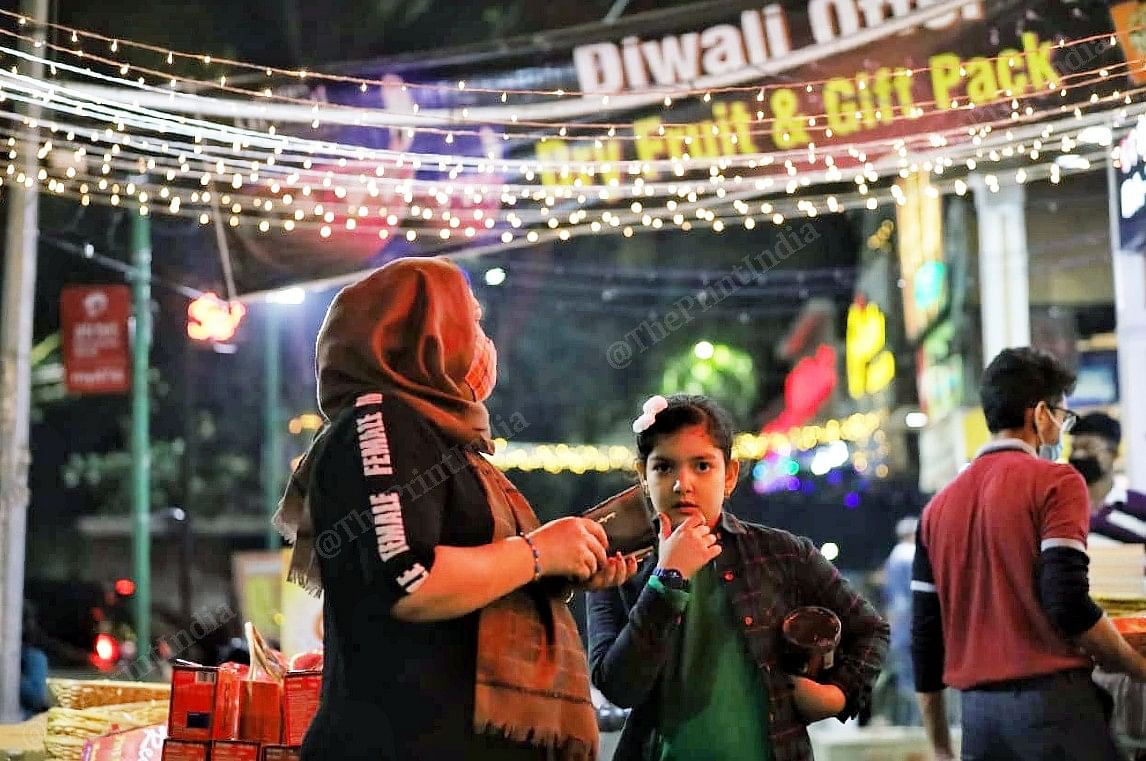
1004 285
21 239
1130 308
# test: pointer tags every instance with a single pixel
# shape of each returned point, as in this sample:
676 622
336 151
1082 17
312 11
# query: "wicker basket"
87 693
1118 607
69 728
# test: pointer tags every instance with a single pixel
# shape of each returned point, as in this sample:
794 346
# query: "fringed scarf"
410 330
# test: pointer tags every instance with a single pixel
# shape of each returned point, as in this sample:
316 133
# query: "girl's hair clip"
649 412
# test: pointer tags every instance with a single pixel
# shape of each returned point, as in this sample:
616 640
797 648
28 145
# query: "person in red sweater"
1001 607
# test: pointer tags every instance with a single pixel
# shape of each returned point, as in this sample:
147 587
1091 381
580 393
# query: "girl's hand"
817 701
687 548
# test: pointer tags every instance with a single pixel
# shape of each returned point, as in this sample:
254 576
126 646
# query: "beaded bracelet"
536 556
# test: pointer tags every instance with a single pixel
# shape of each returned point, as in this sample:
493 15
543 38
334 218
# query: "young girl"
691 642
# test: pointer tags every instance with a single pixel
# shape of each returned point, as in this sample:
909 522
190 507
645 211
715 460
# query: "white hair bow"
649 413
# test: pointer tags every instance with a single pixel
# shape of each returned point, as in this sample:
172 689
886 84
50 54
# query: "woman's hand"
571 547
816 701
613 573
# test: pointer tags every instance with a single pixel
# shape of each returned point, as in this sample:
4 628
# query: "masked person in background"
1116 514
439 641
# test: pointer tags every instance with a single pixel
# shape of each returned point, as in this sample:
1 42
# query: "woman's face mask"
482 375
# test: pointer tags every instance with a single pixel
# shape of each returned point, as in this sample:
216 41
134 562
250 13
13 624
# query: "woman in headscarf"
442 638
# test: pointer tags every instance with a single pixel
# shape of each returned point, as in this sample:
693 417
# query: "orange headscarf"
409 329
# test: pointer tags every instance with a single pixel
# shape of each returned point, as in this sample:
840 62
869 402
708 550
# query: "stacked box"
280 753
204 704
260 712
185 750
234 750
301 693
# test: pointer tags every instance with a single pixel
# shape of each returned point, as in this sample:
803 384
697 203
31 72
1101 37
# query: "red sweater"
981 537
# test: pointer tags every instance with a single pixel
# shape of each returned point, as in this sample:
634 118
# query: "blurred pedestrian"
897 608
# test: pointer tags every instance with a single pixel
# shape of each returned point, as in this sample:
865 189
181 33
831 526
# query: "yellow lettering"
649 146
865 102
944 76
727 144
787 121
692 146
674 136
981 87
709 147
741 120
841 114
885 107
1039 64
611 153
583 155
902 84
1007 65
553 151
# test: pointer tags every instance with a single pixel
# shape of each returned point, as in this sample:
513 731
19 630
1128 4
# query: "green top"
714 705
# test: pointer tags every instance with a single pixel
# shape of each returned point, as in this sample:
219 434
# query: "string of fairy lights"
82 41
860 431
400 113
78 37
394 119
451 163
72 101
322 111
128 152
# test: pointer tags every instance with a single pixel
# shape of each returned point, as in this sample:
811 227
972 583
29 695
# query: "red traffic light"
107 648
209 318
124 587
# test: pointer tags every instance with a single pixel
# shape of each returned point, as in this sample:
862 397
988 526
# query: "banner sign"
97 351
779 84
1131 190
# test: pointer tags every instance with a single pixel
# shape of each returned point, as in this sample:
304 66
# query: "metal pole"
272 469
16 371
140 427
1130 311
616 11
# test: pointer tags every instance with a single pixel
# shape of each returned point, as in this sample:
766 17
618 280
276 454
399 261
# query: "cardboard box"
301 693
234 750
260 712
280 753
204 704
185 750
140 744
